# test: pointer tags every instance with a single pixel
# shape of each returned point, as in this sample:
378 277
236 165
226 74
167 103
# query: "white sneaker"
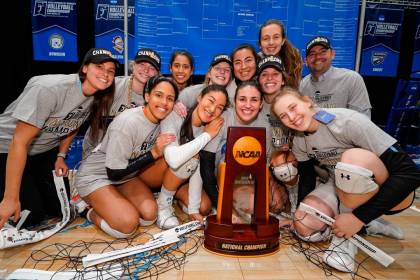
385 228
166 218
340 254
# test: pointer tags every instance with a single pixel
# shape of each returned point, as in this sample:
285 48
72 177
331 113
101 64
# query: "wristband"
63 155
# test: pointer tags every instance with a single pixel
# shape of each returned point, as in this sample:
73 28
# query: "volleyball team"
152 139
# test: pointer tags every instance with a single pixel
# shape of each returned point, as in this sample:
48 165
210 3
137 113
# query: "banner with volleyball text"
109 27
54 30
381 40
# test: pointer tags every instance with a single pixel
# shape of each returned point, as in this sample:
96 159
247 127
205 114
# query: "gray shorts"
89 177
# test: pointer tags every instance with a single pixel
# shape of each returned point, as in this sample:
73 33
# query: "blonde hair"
288 90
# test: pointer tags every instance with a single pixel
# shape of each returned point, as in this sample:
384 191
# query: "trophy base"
241 239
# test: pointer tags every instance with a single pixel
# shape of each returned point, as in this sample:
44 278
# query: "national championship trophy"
245 154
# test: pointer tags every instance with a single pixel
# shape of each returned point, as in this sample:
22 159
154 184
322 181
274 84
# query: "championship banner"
381 40
109 27
54 30
415 69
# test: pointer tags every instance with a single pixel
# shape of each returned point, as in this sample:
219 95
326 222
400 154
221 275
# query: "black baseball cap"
318 40
98 55
220 58
148 55
270 61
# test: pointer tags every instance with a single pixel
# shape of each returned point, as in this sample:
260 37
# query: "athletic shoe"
166 218
340 254
385 228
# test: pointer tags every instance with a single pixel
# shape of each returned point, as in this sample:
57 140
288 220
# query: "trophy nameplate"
245 154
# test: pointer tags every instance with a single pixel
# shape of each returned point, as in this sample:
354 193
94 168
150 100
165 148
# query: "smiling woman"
218 73
198 133
181 66
273 41
245 60
37 130
115 179
368 171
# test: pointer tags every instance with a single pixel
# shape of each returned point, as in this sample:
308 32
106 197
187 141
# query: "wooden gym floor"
285 264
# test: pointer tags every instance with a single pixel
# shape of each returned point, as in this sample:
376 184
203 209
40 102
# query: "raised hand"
161 141
214 126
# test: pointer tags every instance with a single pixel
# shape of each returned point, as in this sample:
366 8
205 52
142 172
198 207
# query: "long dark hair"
288 54
100 108
254 54
186 134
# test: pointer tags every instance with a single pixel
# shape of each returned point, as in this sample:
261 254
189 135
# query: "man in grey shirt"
329 86
333 87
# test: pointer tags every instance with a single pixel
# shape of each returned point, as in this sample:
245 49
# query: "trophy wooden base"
241 239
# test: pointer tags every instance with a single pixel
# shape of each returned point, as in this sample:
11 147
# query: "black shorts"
37 192
390 212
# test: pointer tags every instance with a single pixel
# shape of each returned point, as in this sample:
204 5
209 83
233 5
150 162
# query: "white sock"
145 223
113 232
88 215
165 197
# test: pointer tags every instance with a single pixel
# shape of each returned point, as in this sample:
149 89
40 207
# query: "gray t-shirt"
53 103
349 129
280 134
338 88
128 136
231 120
188 96
123 100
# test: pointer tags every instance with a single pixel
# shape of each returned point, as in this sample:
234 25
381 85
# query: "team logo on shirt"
247 150
320 98
63 126
329 158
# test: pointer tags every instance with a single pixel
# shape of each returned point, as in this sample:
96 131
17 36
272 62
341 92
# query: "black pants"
37 191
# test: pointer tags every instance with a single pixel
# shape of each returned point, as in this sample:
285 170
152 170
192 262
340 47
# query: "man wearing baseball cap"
329 86
333 87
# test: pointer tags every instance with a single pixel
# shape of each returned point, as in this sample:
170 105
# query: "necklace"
130 90
133 102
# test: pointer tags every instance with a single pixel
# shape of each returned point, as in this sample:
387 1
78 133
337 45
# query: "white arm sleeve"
194 192
175 156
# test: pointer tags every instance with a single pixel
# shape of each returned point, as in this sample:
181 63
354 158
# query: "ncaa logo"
378 57
247 150
56 41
